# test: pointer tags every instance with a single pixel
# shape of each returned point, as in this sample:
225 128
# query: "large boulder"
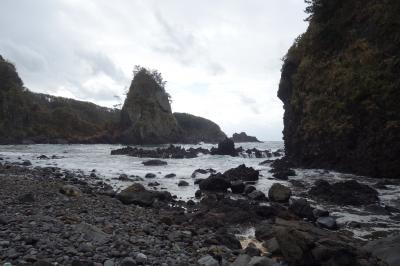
387 249
243 137
279 193
225 147
215 182
138 195
344 193
242 173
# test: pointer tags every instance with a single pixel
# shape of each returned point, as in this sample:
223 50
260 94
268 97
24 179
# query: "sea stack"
146 116
340 89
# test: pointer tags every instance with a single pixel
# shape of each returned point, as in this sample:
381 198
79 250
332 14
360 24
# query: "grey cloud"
250 102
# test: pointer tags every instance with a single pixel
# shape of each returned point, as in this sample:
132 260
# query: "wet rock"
26 163
137 194
228 240
128 262
327 222
252 250
242 173
257 195
284 174
203 172
150 175
266 161
320 213
237 187
279 193
302 208
225 147
154 163
344 193
183 183
207 261
70 191
170 175
43 157
123 177
249 189
215 182
153 184
272 245
387 249
198 194
109 263
42 263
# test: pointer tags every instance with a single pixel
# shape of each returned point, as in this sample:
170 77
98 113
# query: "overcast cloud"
221 59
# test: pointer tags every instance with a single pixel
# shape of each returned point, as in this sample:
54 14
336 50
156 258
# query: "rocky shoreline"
52 217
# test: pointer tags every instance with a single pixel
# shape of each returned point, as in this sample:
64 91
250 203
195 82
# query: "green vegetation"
341 88
33 117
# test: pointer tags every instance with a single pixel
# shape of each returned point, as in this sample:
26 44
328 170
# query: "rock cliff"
243 137
146 116
340 87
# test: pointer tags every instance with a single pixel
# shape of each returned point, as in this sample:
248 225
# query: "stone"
225 147
257 195
344 193
262 261
70 191
42 263
197 194
327 222
252 250
272 245
386 249
249 189
302 208
27 198
128 261
141 258
242 173
279 193
183 183
170 175
237 187
150 175
109 263
137 194
216 183
26 163
154 163
207 260
92 233
241 260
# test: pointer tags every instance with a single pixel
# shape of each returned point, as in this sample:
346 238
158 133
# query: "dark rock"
241 260
284 174
327 222
242 173
128 261
257 195
387 249
170 175
43 157
123 177
42 263
215 182
207 260
197 194
183 183
262 261
27 198
279 193
150 175
266 162
137 194
71 191
252 250
237 187
249 189
203 172
320 213
26 163
154 163
272 245
302 208
228 240
153 184
344 193
225 147
243 137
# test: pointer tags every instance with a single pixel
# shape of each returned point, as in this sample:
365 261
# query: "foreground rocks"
174 152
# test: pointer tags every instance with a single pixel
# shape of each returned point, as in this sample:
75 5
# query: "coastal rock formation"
340 89
27 117
243 137
146 116
196 129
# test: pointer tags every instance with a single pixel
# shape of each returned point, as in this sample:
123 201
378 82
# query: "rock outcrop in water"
196 129
146 116
340 88
243 137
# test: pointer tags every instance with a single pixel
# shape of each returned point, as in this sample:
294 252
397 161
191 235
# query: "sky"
221 58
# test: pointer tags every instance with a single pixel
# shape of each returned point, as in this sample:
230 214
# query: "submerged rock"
154 163
344 193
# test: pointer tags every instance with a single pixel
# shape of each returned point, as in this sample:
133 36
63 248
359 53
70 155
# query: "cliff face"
196 129
39 118
146 116
340 86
